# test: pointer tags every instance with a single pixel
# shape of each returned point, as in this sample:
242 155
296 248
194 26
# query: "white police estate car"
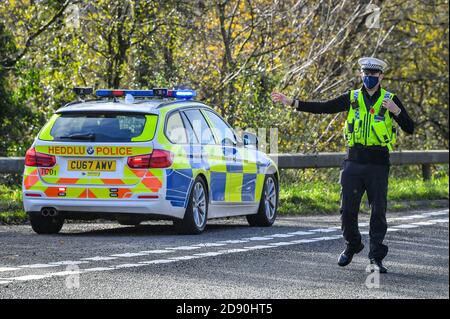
156 154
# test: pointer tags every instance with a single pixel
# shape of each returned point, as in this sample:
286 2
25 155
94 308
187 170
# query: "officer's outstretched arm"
339 104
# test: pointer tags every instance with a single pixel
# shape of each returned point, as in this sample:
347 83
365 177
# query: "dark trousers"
356 179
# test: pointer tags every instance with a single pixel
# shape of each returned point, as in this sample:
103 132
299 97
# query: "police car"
135 155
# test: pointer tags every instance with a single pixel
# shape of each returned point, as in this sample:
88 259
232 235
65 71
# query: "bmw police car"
135 155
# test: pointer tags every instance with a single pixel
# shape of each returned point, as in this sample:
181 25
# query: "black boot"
347 255
377 265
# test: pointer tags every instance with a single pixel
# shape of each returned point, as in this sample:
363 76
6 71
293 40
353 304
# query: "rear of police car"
96 159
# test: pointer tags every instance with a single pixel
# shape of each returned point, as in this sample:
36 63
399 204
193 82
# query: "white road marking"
130 255
185 257
329 238
365 232
235 250
304 241
440 220
234 241
210 254
183 248
405 226
259 238
301 233
128 266
157 261
324 230
210 245
415 216
280 235
5 282
258 247
424 223
282 243
419 216
69 262
156 251
8 269
27 277
390 229
65 273
32 266
438 213
97 269
396 219
363 224
99 258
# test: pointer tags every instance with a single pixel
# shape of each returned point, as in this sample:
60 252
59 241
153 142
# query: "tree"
234 53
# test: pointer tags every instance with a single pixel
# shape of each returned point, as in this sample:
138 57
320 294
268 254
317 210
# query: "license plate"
91 165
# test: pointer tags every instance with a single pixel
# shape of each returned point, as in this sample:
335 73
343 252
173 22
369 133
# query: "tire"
196 215
43 225
268 205
128 221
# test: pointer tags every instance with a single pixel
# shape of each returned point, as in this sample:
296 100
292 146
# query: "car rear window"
108 127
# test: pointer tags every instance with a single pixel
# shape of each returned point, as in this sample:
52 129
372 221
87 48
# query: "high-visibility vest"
369 127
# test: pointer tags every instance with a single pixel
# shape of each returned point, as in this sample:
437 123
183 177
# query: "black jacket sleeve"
339 104
403 119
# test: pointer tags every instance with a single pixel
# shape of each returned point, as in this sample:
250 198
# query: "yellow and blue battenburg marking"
234 177
178 186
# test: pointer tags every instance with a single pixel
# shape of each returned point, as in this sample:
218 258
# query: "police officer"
370 134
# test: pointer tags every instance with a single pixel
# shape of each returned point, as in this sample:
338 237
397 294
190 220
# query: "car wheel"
196 215
46 224
268 205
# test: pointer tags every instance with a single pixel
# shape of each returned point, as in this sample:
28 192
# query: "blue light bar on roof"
184 94
163 93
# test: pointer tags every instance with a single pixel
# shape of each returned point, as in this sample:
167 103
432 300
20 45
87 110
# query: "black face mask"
370 81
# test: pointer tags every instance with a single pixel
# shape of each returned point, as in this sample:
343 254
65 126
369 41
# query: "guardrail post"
426 172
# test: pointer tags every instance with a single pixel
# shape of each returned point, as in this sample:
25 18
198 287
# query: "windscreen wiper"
80 136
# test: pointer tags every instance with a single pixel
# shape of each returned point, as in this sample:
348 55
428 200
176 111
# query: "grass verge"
324 197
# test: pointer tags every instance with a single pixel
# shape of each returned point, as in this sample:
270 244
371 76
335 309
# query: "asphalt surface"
296 258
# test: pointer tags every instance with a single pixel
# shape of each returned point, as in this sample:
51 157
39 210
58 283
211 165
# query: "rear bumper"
131 206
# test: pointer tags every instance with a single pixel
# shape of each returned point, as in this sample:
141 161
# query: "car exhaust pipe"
44 212
52 212
49 212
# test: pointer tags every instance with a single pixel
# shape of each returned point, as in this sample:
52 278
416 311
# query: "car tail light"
140 161
33 158
157 159
161 159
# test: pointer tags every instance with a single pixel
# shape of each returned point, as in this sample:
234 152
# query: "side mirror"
228 146
228 142
250 140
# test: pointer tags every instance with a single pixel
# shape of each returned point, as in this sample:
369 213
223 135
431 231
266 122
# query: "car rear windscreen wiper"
79 136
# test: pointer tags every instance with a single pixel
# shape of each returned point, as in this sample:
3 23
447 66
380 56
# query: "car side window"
200 126
221 129
192 138
175 130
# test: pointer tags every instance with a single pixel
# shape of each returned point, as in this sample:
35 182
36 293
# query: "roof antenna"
129 99
81 92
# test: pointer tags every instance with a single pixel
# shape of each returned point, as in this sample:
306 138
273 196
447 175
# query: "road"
296 258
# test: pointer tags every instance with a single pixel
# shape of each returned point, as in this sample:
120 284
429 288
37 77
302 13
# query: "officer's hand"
279 97
391 106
